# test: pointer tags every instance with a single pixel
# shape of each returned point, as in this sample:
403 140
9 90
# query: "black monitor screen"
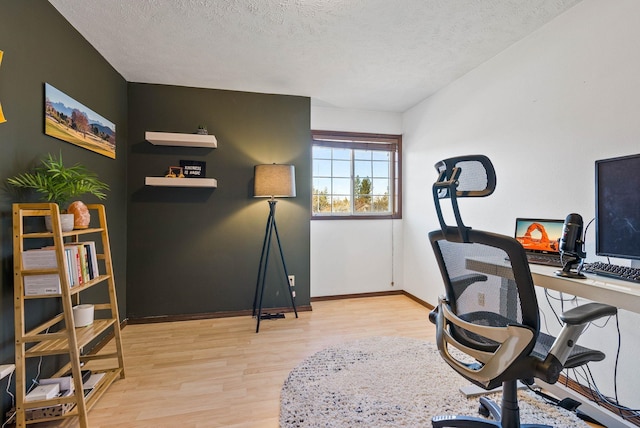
618 207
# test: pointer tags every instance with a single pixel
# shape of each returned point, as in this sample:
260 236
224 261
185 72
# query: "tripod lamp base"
271 316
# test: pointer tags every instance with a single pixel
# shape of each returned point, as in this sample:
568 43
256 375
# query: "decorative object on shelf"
81 215
58 183
67 222
83 315
68 120
272 181
202 130
175 172
194 169
2 118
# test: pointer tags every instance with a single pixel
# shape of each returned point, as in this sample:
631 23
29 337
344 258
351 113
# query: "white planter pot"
83 315
66 222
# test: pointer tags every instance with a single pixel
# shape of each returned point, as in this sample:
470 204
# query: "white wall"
543 110
355 256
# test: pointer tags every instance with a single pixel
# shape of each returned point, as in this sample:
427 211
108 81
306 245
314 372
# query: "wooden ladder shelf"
55 334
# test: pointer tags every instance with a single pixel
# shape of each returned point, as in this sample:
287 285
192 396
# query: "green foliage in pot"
60 184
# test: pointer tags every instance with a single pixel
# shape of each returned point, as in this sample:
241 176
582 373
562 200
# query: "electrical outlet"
6 370
292 280
481 299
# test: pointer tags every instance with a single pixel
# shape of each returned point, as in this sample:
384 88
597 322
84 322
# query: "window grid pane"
355 181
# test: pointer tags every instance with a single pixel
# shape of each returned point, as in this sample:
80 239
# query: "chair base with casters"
507 415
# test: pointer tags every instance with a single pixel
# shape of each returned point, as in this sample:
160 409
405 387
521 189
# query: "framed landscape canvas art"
70 121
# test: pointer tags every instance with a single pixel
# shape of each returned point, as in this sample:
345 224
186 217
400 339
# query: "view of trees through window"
354 178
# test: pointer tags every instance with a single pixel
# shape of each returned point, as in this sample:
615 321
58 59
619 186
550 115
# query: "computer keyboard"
613 271
545 259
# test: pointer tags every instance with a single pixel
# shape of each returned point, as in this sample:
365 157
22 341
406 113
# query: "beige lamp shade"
273 180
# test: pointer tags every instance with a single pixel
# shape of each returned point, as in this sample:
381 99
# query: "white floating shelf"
182 140
181 182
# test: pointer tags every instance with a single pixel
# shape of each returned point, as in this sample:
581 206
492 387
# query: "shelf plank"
61 346
111 375
75 232
74 290
181 182
181 140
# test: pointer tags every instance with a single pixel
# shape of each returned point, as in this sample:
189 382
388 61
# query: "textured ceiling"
383 55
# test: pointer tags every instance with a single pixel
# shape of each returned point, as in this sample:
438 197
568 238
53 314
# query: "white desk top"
614 292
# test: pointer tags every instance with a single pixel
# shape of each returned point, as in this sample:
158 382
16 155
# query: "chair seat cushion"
579 354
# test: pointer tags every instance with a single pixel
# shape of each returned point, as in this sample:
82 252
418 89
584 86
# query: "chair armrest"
587 313
575 321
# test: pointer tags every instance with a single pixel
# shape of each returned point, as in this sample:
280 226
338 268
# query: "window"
356 175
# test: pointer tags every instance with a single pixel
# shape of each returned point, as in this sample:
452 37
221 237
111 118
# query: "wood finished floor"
220 373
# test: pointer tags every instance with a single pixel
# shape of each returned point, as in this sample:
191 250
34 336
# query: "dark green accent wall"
176 251
41 46
196 251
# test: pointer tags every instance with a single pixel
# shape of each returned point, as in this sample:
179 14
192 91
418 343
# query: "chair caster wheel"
483 410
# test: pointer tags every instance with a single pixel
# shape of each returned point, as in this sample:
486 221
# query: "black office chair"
489 313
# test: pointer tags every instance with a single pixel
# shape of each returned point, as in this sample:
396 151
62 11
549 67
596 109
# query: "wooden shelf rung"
84 335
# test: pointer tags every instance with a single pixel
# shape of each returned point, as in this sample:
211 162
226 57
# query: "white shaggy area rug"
389 382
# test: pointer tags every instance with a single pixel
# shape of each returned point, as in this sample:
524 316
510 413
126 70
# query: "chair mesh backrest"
481 287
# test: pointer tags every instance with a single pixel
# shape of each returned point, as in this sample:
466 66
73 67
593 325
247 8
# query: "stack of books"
81 266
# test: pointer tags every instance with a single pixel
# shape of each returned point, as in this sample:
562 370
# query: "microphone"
572 244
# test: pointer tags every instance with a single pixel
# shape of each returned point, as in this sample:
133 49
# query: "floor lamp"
272 181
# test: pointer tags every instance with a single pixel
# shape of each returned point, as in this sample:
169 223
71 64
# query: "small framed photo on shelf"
194 169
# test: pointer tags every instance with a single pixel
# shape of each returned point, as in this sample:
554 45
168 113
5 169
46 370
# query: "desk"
614 292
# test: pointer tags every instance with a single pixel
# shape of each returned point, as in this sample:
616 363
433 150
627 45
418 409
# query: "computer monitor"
618 207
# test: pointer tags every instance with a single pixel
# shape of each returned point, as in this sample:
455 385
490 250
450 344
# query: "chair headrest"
474 176
468 176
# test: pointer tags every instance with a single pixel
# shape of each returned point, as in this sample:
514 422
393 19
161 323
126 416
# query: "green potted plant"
58 183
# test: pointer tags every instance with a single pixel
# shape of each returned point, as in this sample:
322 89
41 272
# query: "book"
83 262
75 263
67 259
90 258
41 258
35 285
87 250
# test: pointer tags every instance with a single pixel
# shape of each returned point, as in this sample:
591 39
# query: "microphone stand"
566 269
